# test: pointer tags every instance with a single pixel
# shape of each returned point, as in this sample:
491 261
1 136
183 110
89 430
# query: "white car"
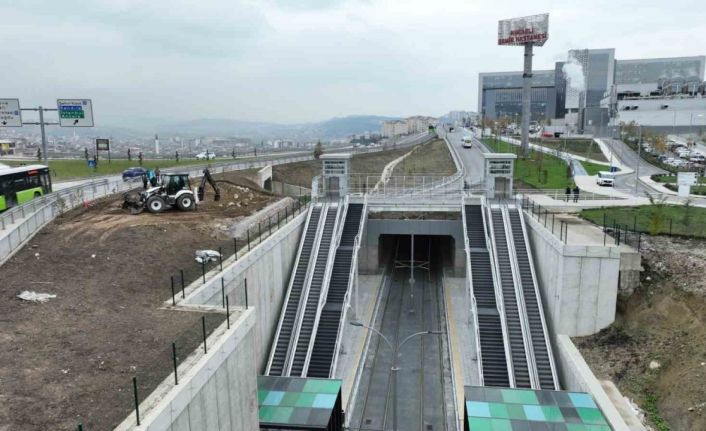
605 179
467 142
206 155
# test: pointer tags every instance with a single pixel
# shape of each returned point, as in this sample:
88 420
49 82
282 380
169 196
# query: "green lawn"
670 182
576 146
688 222
72 169
541 170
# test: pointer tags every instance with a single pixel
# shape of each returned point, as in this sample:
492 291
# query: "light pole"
639 147
691 123
394 369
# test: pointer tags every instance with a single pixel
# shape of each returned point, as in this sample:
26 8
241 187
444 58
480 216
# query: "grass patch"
72 169
650 407
538 170
654 219
593 168
433 158
301 173
578 147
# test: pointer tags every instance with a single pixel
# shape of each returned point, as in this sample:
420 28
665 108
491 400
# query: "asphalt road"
471 158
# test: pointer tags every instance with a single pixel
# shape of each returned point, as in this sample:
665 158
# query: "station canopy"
505 409
295 403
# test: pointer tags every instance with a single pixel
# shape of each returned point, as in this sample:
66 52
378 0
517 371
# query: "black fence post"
246 293
137 400
220 257
174 360
223 291
604 223
235 248
80 427
203 270
286 214
639 240
248 239
173 299
203 326
269 223
183 294
277 219
634 224
227 313
259 232
552 223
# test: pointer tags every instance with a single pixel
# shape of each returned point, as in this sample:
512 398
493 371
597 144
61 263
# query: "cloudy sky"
303 60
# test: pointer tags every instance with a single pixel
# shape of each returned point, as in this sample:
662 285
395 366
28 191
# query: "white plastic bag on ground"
35 297
205 256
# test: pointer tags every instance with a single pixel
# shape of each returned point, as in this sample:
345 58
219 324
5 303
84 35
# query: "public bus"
22 184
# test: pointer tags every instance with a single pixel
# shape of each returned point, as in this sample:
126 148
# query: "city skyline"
276 62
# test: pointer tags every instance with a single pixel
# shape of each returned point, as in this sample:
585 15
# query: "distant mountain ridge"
339 127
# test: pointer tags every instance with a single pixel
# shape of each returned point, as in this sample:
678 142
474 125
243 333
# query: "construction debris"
33 296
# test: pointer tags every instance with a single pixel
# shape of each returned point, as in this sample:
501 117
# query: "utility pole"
526 95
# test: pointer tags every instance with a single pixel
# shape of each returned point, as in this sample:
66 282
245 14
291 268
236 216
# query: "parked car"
697 157
133 173
206 155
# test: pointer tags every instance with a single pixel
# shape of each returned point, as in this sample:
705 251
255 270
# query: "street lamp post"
691 122
639 147
395 368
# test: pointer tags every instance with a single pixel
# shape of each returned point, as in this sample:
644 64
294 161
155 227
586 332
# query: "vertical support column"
526 95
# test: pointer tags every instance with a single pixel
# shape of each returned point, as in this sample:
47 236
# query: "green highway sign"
75 112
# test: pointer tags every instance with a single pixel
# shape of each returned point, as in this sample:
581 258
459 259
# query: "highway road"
471 158
629 158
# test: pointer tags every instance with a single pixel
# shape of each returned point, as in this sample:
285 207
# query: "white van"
606 179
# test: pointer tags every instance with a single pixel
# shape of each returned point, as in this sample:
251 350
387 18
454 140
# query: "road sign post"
10 113
103 145
72 113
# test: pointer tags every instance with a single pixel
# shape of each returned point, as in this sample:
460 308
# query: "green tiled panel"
296 401
504 409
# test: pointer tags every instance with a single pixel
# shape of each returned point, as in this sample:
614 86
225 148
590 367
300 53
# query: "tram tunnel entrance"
411 302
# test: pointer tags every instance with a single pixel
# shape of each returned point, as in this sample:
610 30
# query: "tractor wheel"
185 202
155 204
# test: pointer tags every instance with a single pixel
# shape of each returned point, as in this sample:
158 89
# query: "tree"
318 150
39 154
660 144
657 215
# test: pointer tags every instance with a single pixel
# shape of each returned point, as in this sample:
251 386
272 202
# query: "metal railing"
469 277
352 279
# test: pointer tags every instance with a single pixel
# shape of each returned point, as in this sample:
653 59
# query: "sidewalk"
557 153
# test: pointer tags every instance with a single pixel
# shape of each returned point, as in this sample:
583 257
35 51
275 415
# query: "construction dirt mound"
656 350
71 359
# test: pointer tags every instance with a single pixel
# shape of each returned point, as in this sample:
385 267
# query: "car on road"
606 179
467 142
133 173
206 155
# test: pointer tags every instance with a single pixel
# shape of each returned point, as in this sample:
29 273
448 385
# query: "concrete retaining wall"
267 268
289 189
579 283
217 392
577 376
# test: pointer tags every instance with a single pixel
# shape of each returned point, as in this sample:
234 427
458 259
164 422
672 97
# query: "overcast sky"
303 60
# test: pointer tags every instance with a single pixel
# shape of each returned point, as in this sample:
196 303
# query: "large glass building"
501 94
590 106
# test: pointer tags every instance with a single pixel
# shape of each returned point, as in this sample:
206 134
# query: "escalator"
490 332
292 301
323 351
537 327
313 296
513 316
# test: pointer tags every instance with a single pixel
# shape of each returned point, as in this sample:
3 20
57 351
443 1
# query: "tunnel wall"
369 262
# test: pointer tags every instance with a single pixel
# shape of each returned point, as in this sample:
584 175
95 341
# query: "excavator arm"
208 178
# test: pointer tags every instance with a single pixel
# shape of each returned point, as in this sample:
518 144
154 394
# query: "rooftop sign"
532 29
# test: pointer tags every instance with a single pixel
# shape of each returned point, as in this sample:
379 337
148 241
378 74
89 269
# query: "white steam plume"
573 72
